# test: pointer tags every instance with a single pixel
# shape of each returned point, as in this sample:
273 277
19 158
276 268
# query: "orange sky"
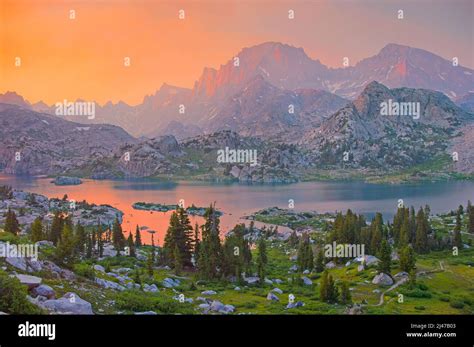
83 58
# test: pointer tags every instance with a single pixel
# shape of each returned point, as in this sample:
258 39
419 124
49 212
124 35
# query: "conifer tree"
56 227
179 240
196 243
153 251
118 239
293 240
345 297
305 254
412 226
210 249
457 240
138 237
405 232
412 279
319 262
407 259
89 246
186 244
332 290
100 239
323 288
64 252
131 245
236 251
81 238
149 264
470 214
178 260
11 222
37 230
328 290
385 255
421 240
262 259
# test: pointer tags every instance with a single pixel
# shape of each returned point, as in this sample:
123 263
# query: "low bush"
13 296
137 301
84 270
457 304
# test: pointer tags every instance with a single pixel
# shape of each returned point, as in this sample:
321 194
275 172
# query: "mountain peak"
14 99
374 86
393 48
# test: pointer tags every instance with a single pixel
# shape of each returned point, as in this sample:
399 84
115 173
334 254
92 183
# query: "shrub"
84 270
13 297
250 304
417 293
8 237
457 304
137 301
422 286
444 299
420 308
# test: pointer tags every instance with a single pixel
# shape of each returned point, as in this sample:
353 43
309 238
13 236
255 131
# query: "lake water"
237 200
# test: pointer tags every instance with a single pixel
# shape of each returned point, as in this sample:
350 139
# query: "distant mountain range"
373 139
374 142
38 143
258 89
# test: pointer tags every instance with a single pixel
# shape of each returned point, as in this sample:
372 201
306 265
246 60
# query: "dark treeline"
201 248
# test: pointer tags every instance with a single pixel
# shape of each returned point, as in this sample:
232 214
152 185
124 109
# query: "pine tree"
293 240
385 255
136 276
149 264
178 260
178 240
305 254
88 246
196 243
332 290
81 238
117 236
457 240
377 233
412 279
319 262
131 245
210 249
64 252
323 288
100 239
56 227
345 297
236 251
37 230
470 214
412 225
421 240
153 251
405 232
262 259
407 259
138 238
328 290
11 223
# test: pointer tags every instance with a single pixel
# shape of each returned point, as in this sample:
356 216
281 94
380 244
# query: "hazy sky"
84 58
